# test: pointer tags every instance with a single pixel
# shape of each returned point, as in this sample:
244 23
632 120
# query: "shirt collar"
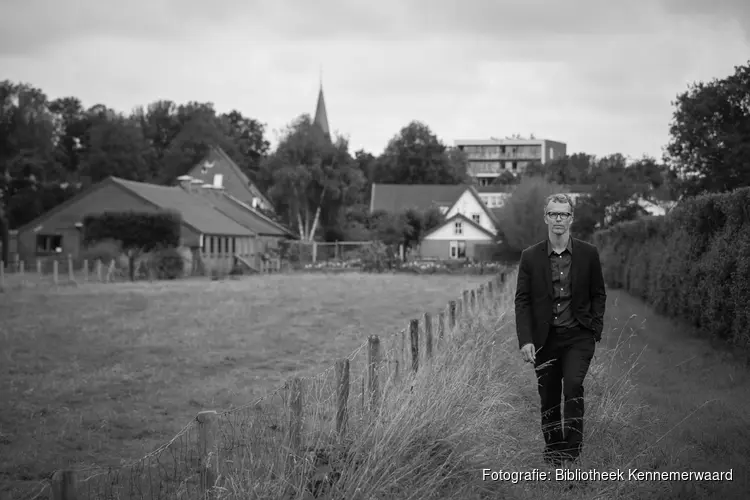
569 246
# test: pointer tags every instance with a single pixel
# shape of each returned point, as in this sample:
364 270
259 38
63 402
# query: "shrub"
691 264
377 257
167 264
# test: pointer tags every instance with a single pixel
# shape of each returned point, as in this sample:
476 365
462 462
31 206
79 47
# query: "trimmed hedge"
692 264
134 230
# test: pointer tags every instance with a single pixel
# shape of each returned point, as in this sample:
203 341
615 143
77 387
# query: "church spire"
321 116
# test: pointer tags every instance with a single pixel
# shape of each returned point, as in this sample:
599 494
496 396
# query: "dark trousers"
568 354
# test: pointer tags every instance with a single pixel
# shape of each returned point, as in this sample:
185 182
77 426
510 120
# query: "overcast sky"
597 75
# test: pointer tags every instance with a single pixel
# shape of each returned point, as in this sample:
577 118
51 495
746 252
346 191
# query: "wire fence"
275 445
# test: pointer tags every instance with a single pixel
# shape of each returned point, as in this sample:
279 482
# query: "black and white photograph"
356 250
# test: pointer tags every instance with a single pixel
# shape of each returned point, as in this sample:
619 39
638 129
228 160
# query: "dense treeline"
52 148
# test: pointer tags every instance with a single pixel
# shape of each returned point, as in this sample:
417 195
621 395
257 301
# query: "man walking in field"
560 301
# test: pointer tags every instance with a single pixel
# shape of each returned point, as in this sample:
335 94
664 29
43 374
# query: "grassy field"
104 372
658 400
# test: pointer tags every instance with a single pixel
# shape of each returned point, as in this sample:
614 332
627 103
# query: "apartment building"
489 158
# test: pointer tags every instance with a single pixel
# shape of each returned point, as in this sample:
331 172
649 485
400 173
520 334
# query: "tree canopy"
709 149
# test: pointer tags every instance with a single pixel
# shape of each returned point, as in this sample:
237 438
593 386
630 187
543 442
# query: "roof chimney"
185 182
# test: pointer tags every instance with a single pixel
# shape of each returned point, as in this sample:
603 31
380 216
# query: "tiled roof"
400 197
241 212
195 211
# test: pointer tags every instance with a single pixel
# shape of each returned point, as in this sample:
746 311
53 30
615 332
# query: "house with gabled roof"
469 224
216 227
458 238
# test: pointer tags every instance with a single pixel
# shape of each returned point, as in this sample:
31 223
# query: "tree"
73 124
505 178
115 146
136 232
416 156
27 135
522 215
249 140
312 176
709 149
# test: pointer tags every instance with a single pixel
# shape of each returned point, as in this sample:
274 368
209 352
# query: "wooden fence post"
39 267
452 314
54 271
99 270
441 326
2 274
428 335
71 272
373 362
208 449
294 403
64 485
480 297
85 270
414 336
21 267
465 304
342 395
473 299
490 292
402 350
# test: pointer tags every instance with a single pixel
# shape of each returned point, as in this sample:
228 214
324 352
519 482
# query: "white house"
458 238
469 226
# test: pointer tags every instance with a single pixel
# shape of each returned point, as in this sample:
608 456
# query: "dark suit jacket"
534 292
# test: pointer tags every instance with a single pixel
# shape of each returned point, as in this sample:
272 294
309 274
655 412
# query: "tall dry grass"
473 407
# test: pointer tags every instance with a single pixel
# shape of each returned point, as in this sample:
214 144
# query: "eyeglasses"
561 215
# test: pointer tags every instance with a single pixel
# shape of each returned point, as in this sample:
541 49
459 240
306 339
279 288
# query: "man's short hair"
558 198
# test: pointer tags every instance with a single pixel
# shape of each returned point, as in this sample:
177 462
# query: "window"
475 218
459 228
48 243
218 180
515 165
458 250
551 154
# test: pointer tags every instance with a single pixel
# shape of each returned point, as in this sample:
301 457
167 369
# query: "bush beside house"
692 264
